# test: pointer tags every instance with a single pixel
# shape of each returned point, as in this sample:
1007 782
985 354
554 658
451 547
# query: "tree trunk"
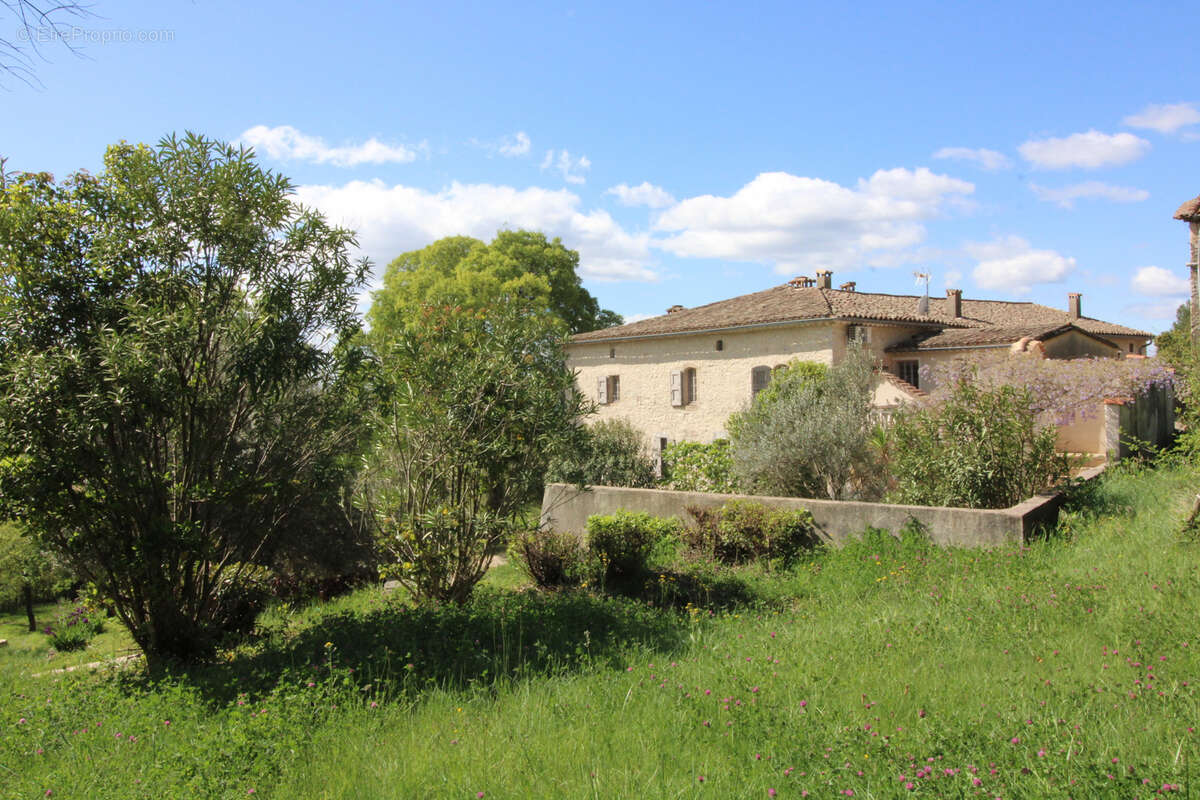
28 592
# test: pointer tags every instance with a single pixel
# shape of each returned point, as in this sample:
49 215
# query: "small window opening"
759 378
909 371
720 345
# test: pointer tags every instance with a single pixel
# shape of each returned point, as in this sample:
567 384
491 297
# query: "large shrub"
977 448
743 530
811 438
695 467
476 403
623 541
177 396
609 453
551 559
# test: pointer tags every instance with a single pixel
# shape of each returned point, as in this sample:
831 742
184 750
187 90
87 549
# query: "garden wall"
566 508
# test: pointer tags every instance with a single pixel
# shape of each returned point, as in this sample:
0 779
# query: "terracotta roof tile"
1189 211
985 337
790 304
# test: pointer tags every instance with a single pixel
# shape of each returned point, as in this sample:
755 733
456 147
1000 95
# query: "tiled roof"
788 303
984 337
1189 211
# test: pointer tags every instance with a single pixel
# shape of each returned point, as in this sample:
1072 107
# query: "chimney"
1073 305
675 309
801 282
848 286
824 279
954 301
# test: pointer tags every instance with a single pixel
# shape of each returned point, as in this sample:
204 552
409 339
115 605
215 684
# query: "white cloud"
988 159
1159 282
1164 310
800 223
516 145
1066 196
285 143
1166 118
392 219
644 194
570 168
637 317
1091 149
1011 263
952 278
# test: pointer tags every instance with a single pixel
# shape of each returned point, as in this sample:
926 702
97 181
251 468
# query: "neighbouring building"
679 376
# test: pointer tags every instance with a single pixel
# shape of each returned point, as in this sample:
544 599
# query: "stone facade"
723 377
679 377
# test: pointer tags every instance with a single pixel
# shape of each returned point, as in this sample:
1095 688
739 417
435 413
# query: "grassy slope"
891 660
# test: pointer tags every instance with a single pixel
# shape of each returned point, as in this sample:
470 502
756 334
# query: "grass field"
1066 668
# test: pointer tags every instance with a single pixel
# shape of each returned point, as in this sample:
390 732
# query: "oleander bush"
978 448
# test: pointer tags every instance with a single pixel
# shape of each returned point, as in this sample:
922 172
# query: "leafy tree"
695 467
812 437
27 572
462 271
1175 344
173 408
977 448
479 400
610 453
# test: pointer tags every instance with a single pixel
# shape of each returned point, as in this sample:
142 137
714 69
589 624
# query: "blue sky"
690 152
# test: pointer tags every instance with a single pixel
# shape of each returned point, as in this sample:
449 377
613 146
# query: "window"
759 378
612 352
720 345
608 389
857 334
683 387
910 372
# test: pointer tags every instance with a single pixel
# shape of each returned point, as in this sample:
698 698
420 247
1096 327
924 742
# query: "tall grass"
888 668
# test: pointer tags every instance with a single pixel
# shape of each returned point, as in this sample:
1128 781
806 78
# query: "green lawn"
1067 668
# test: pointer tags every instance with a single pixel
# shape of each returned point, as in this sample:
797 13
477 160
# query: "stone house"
678 377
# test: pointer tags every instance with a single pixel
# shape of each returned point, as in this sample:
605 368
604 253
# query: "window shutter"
676 388
602 390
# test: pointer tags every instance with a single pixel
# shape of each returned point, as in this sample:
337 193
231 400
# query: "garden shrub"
812 437
551 559
610 454
623 541
695 467
74 629
978 448
743 530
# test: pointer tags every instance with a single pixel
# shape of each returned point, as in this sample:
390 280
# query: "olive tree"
810 435
174 391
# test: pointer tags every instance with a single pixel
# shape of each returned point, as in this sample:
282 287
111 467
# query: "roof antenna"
923 303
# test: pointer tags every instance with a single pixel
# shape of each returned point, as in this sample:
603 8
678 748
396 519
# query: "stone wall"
566 508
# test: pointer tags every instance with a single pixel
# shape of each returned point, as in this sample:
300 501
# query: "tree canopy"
175 399
478 401
522 266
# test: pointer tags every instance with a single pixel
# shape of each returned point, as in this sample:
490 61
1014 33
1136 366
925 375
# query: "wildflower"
771 793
